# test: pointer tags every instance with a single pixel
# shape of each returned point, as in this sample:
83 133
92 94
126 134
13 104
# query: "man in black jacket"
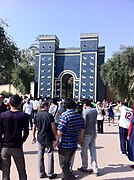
14 132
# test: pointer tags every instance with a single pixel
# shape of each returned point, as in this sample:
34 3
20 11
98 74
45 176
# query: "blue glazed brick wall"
46 75
47 47
69 60
87 76
36 76
90 45
67 63
100 85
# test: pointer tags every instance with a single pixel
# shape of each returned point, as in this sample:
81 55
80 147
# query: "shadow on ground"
99 147
112 168
111 132
80 175
125 178
30 152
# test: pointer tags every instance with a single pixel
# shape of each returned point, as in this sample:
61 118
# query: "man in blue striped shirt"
69 135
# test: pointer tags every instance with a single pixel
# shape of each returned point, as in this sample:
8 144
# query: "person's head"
15 101
61 103
27 100
54 101
118 102
110 103
87 103
98 103
2 97
125 103
44 105
31 98
70 104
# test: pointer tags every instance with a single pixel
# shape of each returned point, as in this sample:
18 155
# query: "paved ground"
112 165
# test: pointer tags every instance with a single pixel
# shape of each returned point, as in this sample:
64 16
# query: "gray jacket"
90 115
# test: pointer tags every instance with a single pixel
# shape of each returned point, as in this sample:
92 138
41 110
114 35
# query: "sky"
113 20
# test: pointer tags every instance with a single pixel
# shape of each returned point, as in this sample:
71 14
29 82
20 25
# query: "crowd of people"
60 125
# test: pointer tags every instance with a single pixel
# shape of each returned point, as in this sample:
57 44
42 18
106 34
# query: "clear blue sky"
112 19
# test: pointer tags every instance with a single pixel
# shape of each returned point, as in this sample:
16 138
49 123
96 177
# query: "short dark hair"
87 102
43 104
15 100
3 95
70 104
54 101
125 103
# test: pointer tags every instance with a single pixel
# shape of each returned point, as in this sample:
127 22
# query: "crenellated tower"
88 65
48 44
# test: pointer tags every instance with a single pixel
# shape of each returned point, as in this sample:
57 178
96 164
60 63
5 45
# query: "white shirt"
125 114
27 108
35 104
99 111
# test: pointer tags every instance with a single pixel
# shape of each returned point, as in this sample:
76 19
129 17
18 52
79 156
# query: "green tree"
7 94
118 72
16 66
20 80
23 74
9 55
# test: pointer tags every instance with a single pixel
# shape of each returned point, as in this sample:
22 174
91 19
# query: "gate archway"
67 86
67 79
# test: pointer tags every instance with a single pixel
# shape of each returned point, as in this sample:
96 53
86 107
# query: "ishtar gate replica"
61 72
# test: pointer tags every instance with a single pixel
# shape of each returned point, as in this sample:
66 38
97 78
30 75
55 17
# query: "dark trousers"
34 113
100 126
65 157
30 121
123 139
19 160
